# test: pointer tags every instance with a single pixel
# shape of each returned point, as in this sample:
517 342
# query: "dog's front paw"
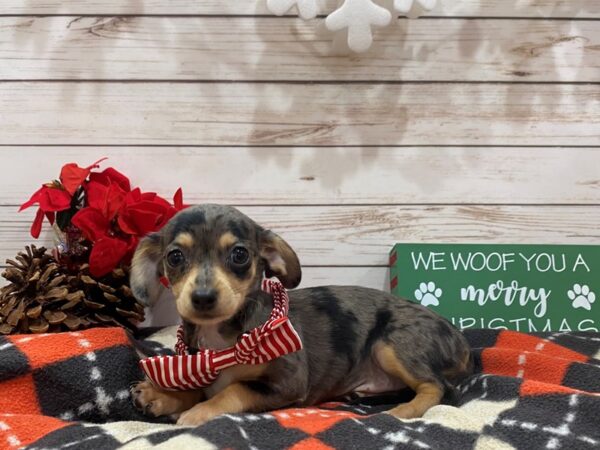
196 416
405 411
155 402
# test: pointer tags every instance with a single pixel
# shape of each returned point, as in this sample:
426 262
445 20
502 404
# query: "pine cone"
43 296
108 300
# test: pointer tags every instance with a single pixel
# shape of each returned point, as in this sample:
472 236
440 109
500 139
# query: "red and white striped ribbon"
275 338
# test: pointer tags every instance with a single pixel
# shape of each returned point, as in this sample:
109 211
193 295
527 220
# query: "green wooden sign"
517 287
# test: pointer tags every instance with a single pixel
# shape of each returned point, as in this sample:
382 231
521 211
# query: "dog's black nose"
204 299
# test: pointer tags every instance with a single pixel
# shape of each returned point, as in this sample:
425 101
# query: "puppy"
356 340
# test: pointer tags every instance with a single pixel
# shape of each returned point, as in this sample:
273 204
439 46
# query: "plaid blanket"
70 390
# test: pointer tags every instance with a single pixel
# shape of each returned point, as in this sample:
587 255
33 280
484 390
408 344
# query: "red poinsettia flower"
106 191
92 223
111 176
144 213
51 199
178 200
137 214
107 253
57 196
36 226
72 176
110 215
106 198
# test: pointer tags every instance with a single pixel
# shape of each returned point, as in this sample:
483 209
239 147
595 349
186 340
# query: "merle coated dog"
356 340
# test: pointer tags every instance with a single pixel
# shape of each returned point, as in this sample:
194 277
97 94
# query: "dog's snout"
204 299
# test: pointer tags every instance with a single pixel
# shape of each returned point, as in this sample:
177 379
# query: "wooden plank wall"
479 122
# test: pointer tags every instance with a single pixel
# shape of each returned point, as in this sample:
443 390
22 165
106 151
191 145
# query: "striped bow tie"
275 338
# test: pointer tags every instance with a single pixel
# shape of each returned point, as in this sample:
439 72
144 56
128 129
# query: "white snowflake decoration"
307 9
358 16
355 16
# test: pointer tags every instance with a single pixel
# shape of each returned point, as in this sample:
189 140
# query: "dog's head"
213 256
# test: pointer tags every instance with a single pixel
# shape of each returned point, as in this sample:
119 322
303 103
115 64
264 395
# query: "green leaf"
63 218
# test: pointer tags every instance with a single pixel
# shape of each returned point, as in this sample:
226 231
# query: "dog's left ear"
280 259
146 270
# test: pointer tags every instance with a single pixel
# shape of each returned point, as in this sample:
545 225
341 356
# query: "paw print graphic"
428 294
581 296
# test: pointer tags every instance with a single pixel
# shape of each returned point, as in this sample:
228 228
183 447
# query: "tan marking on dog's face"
231 293
227 240
185 240
183 294
428 394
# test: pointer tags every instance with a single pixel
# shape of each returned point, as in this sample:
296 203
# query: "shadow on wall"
543 8
293 118
284 112
339 121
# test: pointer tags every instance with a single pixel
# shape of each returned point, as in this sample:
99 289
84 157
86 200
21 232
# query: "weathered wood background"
479 122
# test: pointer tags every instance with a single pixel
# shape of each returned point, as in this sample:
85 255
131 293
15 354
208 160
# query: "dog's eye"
239 256
175 258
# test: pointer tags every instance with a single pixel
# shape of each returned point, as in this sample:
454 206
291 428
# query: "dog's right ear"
146 270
